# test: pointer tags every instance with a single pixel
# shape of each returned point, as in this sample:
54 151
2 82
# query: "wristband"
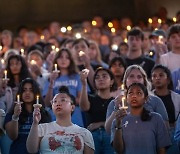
14 118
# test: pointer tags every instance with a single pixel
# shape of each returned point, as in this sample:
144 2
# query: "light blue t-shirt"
143 137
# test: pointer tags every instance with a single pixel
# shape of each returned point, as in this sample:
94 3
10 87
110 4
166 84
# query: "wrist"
15 118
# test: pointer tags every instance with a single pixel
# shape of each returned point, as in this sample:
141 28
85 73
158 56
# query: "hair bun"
64 89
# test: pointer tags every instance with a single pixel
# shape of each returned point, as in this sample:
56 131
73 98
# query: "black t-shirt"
145 62
98 109
168 103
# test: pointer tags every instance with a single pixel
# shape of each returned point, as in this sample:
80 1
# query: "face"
159 78
92 52
63 61
81 46
15 66
117 69
134 43
135 76
174 40
103 80
136 97
61 104
36 58
123 50
28 95
6 39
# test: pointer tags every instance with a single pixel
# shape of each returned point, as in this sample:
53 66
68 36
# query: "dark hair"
113 87
173 30
145 115
72 68
35 89
136 32
65 90
79 40
120 59
24 72
168 73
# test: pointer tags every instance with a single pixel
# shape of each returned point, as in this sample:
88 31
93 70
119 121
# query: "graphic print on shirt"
61 141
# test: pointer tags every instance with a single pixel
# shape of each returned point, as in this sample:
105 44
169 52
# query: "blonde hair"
138 67
98 56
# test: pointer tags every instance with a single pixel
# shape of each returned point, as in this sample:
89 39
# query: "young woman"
96 107
136 74
17 71
19 120
67 76
140 131
118 66
60 136
163 86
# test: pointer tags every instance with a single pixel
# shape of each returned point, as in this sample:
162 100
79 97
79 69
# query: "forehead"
102 72
27 85
61 95
135 87
135 71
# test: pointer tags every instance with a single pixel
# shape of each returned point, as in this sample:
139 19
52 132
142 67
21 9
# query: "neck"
16 79
118 80
136 111
29 107
64 121
161 91
134 54
105 94
176 50
64 72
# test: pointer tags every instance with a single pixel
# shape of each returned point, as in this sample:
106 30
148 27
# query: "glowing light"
125 40
113 30
78 35
42 37
69 28
174 19
63 29
94 23
150 20
128 28
114 47
110 24
159 21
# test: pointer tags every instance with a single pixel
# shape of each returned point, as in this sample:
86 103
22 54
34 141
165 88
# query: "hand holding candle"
55 68
81 53
18 100
5 75
37 105
123 104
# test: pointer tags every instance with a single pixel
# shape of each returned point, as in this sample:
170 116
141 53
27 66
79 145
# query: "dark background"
33 13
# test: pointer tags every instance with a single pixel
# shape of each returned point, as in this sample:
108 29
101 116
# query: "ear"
73 108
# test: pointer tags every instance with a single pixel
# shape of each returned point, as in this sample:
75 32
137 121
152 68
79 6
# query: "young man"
135 53
171 59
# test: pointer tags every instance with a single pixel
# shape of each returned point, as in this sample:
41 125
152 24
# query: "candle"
42 37
78 35
174 19
150 20
22 52
110 24
122 87
1 47
81 53
113 30
37 99
123 101
69 28
18 98
159 21
53 47
160 39
5 74
125 40
57 49
128 27
33 62
94 23
55 67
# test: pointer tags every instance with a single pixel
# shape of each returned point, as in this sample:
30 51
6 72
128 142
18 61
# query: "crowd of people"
93 87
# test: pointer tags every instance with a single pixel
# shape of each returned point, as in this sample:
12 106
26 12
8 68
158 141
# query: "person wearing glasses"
60 136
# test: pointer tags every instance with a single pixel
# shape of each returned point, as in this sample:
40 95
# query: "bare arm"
12 126
33 140
88 150
84 102
109 121
118 141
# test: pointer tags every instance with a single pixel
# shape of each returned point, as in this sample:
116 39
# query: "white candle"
55 67
5 74
81 53
123 101
33 62
18 98
37 99
22 52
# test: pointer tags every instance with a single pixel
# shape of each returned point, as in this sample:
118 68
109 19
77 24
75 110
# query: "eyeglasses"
61 101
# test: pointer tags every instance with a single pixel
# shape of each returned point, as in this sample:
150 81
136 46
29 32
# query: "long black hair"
24 72
45 117
145 115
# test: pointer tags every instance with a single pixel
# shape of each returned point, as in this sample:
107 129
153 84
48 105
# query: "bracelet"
14 118
118 128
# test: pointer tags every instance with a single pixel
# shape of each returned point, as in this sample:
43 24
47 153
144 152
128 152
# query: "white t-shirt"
171 60
66 140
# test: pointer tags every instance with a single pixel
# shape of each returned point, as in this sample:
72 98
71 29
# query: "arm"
161 151
88 150
49 95
12 126
84 102
33 140
109 121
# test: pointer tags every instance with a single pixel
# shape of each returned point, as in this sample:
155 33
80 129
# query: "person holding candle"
17 71
60 136
136 74
19 120
67 76
140 131
95 107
